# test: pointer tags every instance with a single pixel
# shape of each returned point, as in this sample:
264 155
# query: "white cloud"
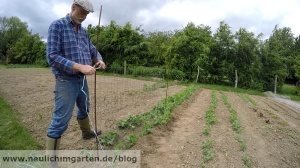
61 9
255 15
162 15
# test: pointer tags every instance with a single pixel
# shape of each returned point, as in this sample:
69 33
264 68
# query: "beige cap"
85 4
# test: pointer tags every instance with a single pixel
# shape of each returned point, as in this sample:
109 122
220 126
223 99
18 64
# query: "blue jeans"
69 90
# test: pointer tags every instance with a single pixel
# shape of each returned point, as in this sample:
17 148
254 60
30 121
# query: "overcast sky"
257 16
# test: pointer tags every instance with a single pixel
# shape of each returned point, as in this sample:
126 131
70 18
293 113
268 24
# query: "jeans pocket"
61 79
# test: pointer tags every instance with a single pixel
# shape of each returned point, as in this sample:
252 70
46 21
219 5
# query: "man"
70 54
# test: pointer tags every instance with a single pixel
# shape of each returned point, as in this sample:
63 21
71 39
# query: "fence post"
236 79
275 87
198 74
125 67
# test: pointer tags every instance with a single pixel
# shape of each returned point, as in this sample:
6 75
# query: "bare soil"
270 129
30 92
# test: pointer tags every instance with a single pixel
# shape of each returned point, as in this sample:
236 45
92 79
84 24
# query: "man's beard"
77 20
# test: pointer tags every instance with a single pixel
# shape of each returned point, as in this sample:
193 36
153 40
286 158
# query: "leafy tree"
247 60
11 30
222 53
159 42
118 44
285 46
190 48
297 67
27 50
278 58
295 62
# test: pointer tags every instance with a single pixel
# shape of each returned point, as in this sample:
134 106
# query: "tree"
277 57
221 55
246 60
11 30
159 42
284 40
27 50
190 48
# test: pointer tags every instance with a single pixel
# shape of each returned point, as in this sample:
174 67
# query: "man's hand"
100 64
85 69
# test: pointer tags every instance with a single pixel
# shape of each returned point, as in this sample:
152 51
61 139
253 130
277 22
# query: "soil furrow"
178 143
287 116
226 147
266 145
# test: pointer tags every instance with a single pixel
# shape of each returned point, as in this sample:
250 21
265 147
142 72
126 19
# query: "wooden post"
275 87
236 79
125 67
198 74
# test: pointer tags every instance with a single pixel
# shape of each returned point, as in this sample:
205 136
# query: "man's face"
79 14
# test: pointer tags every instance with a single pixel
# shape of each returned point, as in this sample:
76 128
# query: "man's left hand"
100 64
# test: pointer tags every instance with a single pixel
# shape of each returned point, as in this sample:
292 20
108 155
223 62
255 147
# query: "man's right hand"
85 69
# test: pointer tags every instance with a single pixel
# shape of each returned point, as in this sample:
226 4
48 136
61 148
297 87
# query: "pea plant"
237 127
158 115
210 116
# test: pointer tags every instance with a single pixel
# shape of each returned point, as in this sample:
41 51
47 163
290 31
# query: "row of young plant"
237 127
246 98
210 119
139 125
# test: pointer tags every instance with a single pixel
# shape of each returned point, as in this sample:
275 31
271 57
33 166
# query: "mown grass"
290 91
13 135
9 66
287 90
231 89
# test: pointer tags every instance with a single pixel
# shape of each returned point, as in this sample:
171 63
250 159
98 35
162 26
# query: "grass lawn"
289 90
232 89
13 135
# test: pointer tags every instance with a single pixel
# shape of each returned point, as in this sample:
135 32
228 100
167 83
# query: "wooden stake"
95 79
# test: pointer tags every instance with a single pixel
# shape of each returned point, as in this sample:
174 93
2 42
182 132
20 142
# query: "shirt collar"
70 21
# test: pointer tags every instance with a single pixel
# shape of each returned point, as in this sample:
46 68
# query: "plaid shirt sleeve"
54 49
